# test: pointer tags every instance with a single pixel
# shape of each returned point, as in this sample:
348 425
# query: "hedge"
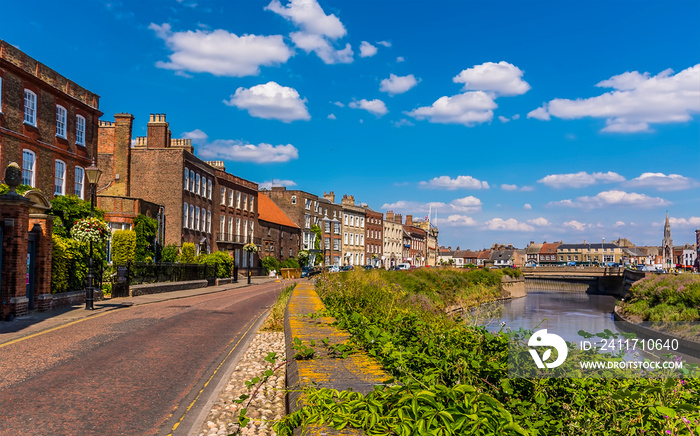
187 255
224 261
123 247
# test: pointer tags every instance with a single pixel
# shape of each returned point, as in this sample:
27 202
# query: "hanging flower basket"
375 256
91 229
303 256
250 248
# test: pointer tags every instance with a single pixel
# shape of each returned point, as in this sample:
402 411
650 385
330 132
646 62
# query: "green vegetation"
187 253
123 246
665 297
21 189
222 259
289 263
67 209
169 253
270 263
452 378
146 229
275 321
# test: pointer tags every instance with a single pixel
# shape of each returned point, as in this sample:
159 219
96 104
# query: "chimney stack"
330 196
409 220
158 132
390 215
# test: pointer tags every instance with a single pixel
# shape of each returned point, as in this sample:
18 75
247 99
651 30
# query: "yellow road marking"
52 329
215 371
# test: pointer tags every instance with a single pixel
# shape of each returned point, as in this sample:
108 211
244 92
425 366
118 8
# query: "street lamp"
93 175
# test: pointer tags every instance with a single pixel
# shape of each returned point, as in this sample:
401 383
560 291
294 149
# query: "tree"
123 246
146 229
187 255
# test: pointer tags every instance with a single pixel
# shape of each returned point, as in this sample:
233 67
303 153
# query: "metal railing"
136 273
236 239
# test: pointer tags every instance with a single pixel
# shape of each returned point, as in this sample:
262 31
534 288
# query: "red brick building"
416 251
278 234
331 226
165 171
48 124
374 244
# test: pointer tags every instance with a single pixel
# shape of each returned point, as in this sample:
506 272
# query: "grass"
275 321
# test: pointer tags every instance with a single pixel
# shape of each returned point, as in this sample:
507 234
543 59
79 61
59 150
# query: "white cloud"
539 114
397 84
332 117
376 107
460 182
620 224
507 187
457 221
339 104
539 222
503 119
662 182
527 188
580 179
318 30
271 101
386 44
367 50
309 16
511 224
516 117
614 198
240 151
400 59
468 109
467 204
276 182
527 206
499 78
693 221
576 225
219 52
637 100
402 122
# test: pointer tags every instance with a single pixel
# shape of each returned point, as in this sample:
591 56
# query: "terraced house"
353 229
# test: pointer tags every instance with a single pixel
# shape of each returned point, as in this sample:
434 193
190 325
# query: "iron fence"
136 273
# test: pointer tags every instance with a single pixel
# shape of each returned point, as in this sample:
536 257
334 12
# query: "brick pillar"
14 219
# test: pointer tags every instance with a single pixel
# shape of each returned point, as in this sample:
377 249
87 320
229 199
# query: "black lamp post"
93 175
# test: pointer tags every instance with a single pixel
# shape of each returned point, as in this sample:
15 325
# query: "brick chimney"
348 200
398 218
330 196
409 220
158 132
390 215
114 154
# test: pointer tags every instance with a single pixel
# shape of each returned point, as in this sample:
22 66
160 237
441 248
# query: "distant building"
353 229
331 225
548 254
278 234
532 253
416 253
667 246
392 253
374 230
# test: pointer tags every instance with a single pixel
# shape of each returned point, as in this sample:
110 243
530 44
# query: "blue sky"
515 121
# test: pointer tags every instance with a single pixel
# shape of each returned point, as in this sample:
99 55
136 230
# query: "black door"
31 254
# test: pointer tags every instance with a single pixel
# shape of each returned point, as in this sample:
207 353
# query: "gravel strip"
268 404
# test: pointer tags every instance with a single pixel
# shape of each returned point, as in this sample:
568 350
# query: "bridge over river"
588 279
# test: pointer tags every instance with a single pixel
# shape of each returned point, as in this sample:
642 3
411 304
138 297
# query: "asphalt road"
133 371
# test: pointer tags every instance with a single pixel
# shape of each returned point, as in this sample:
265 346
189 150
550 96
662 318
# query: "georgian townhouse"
374 229
303 208
353 228
48 125
393 240
416 252
331 226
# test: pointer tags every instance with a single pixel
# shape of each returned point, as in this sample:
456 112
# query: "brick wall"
14 219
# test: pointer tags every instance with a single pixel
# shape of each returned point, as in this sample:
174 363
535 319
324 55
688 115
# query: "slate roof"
268 211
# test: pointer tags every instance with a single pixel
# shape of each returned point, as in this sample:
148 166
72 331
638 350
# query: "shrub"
123 246
67 209
169 253
146 229
187 254
68 266
271 263
222 259
289 263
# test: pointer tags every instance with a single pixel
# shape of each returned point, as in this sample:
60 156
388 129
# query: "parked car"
346 268
403 266
368 267
333 268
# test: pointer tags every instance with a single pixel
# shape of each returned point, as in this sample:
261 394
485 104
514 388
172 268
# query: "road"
132 371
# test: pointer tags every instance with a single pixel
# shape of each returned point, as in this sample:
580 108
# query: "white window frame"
245 202
307 204
187 179
203 222
30 103
190 223
294 199
186 216
209 221
196 217
230 228
252 203
223 195
222 227
197 183
230 198
203 192
31 170
210 188
238 200
79 181
61 121
191 181
238 227
60 187
80 130
346 219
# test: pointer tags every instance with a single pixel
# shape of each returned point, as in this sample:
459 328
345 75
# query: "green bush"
187 254
271 263
67 209
665 297
123 246
289 263
21 189
68 264
146 229
222 259
169 253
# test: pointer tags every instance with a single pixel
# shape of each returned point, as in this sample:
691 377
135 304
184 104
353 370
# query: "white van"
403 266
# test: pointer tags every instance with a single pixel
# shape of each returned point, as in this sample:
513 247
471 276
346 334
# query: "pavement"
39 322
